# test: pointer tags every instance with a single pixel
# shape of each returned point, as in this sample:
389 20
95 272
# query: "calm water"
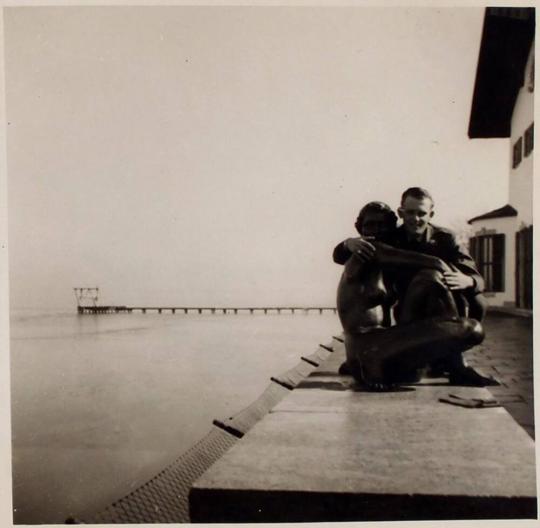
102 403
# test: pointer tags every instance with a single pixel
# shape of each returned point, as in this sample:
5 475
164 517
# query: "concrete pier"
199 309
331 452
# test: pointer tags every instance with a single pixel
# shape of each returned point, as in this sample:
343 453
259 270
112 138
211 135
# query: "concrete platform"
329 452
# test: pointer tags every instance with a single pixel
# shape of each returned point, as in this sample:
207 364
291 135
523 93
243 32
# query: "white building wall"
508 226
522 176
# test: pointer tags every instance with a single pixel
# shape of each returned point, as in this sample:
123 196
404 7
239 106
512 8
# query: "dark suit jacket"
438 242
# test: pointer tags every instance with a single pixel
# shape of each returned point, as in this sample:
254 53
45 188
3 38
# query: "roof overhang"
506 40
503 212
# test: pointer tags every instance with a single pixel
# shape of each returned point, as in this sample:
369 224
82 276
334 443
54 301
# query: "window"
488 253
517 153
529 140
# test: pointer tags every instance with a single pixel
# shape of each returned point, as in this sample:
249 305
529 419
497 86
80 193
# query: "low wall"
332 452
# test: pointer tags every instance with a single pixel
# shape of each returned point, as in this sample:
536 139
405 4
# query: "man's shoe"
468 377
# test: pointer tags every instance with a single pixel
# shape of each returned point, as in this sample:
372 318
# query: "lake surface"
101 403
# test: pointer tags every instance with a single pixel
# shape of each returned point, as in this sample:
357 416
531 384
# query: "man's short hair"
375 207
416 192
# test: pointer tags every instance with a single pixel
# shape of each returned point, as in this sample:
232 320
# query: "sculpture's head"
375 219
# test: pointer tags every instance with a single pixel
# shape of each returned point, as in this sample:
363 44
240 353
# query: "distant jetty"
88 297
96 309
87 303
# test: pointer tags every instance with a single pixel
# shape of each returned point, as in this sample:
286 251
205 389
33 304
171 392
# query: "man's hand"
360 248
442 266
455 280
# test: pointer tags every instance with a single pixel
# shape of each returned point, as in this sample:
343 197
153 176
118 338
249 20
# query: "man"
379 355
418 234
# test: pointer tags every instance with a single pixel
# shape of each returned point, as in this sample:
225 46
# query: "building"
503 106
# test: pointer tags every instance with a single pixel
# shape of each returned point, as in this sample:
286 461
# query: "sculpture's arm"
391 257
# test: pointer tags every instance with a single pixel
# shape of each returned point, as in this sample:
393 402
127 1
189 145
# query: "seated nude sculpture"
379 355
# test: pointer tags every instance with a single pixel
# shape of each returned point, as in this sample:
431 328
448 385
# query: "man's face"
416 215
376 225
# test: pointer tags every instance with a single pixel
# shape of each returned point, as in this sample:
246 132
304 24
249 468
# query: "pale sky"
215 155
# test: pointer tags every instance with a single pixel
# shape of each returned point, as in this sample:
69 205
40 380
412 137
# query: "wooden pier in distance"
202 309
87 303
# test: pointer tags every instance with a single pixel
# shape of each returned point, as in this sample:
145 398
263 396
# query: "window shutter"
517 153
498 262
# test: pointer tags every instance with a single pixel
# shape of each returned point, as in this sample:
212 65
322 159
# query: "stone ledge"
329 452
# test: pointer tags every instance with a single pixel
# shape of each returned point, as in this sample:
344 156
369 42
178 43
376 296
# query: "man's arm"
467 266
461 261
